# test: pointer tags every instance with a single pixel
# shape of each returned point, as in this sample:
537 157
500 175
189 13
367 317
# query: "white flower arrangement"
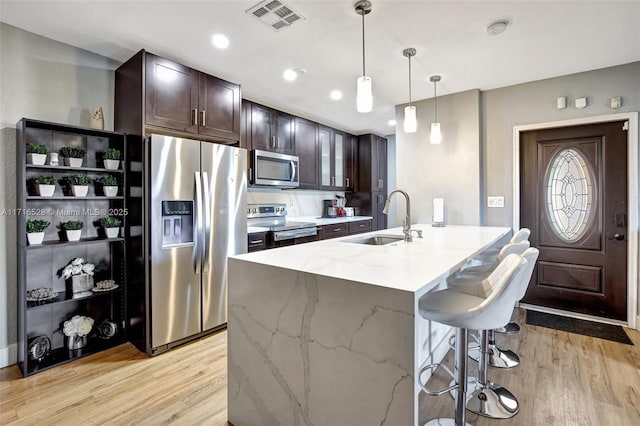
77 326
76 267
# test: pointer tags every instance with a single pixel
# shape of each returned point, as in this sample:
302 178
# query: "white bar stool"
487 398
465 311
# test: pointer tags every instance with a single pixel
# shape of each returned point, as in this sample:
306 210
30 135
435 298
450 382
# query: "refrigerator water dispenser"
177 223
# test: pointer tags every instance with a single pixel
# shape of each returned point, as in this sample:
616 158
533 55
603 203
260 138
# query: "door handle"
347 184
207 222
194 117
203 118
617 237
197 249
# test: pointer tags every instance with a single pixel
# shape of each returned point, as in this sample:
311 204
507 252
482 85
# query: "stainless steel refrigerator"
196 194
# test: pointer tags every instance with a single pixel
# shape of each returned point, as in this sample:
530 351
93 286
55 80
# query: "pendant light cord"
435 99
363 67
409 80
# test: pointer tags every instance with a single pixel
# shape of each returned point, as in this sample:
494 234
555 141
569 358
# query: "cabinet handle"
250 174
203 118
347 179
273 141
337 230
333 181
380 183
257 242
277 141
194 117
361 226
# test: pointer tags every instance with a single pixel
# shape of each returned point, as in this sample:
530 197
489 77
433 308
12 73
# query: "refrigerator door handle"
207 222
197 249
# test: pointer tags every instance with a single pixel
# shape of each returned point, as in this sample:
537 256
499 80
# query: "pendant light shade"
436 135
410 119
364 93
410 124
364 97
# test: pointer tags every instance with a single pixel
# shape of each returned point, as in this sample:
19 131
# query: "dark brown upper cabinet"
351 155
306 143
271 130
155 92
372 164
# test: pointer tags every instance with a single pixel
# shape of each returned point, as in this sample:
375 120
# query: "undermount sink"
376 240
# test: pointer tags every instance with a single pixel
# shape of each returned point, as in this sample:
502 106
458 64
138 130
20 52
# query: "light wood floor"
564 379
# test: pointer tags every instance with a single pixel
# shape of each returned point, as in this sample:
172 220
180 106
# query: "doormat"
615 333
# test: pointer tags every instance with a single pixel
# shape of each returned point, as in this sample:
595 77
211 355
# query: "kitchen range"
278 231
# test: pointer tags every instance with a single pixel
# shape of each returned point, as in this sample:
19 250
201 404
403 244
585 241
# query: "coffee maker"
329 208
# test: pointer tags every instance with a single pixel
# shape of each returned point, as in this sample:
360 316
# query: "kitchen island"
327 333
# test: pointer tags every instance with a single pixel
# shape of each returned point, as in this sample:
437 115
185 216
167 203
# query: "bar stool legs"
489 399
459 388
498 357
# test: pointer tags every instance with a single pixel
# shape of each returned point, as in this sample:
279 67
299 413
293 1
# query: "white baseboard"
8 355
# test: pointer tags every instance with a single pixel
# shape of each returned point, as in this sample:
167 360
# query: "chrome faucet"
406 224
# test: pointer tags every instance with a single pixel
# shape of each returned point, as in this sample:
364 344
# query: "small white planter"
37 159
79 190
46 190
73 162
35 238
111 164
110 191
73 235
112 232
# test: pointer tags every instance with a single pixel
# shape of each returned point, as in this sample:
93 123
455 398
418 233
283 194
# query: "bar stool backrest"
531 256
522 235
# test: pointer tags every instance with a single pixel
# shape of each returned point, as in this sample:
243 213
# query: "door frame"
633 321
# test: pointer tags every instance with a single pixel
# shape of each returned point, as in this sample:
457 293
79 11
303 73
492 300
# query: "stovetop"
273 217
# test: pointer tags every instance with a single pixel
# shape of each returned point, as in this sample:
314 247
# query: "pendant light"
436 136
410 121
364 96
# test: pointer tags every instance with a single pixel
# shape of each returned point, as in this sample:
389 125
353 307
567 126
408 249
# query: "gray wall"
44 80
450 170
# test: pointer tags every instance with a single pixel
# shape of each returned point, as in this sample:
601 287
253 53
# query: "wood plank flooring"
563 379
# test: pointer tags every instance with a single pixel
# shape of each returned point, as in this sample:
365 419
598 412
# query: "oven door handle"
294 233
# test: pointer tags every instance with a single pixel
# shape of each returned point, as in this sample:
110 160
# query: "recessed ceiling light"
497 27
291 74
336 95
220 41
392 122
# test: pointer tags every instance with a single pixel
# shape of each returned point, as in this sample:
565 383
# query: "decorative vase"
80 283
35 238
73 162
111 164
46 190
37 159
73 235
110 191
112 232
76 342
79 190
97 118
53 159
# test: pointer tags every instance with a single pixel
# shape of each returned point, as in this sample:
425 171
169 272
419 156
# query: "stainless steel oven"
281 231
274 169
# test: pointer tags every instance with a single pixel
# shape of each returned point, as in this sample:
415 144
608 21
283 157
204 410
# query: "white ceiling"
545 39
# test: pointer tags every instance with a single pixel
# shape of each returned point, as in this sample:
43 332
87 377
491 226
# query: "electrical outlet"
495 201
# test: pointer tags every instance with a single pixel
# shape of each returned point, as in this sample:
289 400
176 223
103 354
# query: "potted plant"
46 185
78 274
37 154
109 185
35 230
73 156
79 184
73 229
76 329
111 158
111 226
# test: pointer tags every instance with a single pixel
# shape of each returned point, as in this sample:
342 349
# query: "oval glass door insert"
570 194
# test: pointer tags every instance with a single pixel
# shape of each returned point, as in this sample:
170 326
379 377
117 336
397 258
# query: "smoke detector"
275 14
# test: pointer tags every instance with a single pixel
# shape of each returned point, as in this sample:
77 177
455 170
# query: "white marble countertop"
328 220
414 267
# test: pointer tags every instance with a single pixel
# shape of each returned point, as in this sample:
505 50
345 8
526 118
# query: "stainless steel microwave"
273 169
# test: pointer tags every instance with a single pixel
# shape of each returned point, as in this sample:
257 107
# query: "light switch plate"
495 201
616 102
581 103
561 102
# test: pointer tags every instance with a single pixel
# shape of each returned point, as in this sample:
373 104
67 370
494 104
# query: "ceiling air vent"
275 14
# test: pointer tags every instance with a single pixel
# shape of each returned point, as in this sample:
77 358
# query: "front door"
573 188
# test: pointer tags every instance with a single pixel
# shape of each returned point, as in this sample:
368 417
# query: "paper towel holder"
438 212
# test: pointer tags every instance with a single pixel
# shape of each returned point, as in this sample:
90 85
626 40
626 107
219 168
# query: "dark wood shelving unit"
39 265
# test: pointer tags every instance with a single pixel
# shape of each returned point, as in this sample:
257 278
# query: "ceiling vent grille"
275 14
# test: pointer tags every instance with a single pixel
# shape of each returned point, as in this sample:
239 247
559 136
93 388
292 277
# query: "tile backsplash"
299 202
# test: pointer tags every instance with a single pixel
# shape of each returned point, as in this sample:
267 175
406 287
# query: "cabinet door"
261 122
324 144
379 219
245 125
381 166
339 160
306 144
171 95
283 133
219 103
351 157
